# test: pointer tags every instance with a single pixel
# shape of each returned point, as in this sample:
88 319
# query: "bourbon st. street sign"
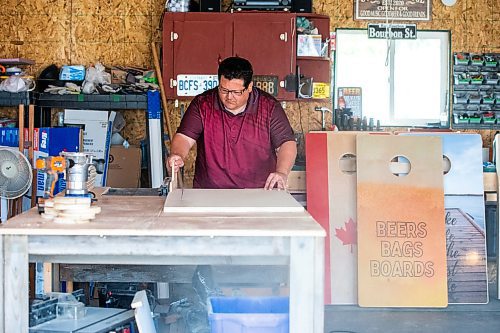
409 10
392 31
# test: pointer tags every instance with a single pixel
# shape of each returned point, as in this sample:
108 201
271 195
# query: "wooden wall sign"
331 200
401 234
464 218
407 10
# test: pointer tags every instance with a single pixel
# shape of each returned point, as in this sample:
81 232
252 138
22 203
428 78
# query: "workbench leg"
319 284
305 314
16 276
47 277
32 280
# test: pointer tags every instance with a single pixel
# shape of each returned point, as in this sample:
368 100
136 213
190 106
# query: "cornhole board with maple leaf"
401 234
464 218
331 200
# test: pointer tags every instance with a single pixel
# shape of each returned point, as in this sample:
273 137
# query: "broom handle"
162 90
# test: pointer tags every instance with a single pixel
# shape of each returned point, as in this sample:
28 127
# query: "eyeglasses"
225 91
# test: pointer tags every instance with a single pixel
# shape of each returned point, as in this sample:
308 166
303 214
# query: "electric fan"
15 173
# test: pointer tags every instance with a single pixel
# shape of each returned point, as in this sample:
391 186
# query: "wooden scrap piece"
70 210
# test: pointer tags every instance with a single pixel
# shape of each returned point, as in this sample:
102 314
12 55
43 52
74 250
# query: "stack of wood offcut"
70 210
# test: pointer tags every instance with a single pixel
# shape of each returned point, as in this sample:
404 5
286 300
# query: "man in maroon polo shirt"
243 137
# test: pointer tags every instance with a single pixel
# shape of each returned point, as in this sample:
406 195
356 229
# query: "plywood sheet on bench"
401 234
231 201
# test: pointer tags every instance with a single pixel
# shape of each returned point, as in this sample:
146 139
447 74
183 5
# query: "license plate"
192 85
268 83
321 90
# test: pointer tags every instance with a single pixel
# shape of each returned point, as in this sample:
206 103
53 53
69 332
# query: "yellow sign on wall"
321 90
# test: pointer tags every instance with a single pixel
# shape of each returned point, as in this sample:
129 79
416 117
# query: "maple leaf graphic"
348 236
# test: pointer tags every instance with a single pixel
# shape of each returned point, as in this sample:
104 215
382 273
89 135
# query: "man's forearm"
181 144
286 157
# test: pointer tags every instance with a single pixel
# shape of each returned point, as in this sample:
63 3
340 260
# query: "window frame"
443 121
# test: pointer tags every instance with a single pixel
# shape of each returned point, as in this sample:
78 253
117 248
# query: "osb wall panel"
135 129
113 32
495 5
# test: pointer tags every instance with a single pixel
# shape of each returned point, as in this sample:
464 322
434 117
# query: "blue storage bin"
249 314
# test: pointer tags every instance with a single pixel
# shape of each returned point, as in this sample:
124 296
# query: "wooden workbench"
134 230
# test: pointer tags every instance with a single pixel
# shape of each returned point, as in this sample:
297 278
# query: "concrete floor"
467 318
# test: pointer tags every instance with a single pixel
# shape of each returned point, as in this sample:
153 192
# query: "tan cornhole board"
230 201
401 234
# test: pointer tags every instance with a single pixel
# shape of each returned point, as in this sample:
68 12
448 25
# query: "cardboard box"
97 126
50 141
41 178
54 140
124 169
9 136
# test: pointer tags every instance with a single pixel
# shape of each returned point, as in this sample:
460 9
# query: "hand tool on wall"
323 110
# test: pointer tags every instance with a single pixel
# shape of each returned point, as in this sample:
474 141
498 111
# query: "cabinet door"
267 40
194 43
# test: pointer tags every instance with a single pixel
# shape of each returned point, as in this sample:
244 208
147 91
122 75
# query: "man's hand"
277 179
174 161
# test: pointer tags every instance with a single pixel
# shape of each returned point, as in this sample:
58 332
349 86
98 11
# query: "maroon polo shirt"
235 151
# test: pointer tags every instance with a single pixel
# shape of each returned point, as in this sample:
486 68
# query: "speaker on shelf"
302 6
209 5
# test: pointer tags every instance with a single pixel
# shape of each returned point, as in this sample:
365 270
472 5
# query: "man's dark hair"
236 68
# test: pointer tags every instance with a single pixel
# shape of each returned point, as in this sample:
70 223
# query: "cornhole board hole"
401 234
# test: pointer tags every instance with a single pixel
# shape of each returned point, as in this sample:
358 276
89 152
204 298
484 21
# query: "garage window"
403 82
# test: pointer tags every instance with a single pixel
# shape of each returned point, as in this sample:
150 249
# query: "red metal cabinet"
268 41
194 43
